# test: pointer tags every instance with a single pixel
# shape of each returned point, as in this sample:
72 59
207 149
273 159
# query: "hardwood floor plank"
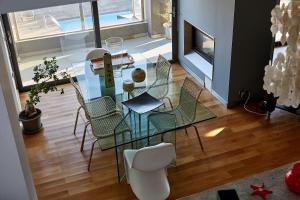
237 144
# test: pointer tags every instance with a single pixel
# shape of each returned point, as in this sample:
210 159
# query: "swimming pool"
116 18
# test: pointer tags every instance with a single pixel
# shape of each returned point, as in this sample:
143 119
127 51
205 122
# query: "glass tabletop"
92 86
92 82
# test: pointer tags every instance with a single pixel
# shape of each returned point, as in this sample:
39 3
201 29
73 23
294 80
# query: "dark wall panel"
251 46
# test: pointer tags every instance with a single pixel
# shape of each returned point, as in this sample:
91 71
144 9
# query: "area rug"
273 180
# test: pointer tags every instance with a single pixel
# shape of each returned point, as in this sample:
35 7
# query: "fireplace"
198 41
203 44
199 49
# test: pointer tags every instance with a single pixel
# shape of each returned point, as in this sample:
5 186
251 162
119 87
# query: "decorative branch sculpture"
282 78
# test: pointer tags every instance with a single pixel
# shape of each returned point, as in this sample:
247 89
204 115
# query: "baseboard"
214 93
223 101
193 74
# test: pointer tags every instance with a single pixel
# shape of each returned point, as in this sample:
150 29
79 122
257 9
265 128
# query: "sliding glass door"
63 32
68 32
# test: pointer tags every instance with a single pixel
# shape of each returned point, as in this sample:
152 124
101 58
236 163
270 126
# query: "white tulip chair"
146 170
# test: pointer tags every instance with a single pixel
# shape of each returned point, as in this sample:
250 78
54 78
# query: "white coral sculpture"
282 77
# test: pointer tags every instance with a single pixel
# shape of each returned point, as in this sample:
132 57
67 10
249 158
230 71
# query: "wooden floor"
237 144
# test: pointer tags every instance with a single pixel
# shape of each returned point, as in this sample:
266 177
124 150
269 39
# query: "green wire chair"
160 87
185 111
102 126
96 107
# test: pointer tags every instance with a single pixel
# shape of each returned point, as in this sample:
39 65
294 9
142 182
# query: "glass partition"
48 32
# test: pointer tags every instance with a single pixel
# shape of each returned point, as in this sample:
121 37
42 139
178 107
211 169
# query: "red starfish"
260 190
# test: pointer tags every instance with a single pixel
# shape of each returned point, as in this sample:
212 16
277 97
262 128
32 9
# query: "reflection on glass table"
92 83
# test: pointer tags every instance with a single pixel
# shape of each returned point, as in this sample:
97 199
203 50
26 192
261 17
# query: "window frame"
16 32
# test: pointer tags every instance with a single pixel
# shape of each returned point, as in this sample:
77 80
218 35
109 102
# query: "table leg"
140 126
134 122
148 133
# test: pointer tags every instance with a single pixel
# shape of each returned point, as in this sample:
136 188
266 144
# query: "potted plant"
43 73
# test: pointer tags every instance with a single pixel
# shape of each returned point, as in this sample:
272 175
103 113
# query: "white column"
15 175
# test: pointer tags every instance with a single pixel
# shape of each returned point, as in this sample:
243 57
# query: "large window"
45 21
67 32
54 31
71 18
116 12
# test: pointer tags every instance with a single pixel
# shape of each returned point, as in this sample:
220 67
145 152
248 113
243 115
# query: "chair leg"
126 171
83 137
162 137
76 120
165 105
199 139
91 154
170 102
185 131
131 139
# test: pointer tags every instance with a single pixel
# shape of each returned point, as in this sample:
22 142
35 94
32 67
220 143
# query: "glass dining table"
92 86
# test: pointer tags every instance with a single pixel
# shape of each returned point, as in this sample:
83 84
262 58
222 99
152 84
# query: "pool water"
74 24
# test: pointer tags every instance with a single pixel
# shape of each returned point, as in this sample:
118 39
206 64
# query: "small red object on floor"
292 178
260 190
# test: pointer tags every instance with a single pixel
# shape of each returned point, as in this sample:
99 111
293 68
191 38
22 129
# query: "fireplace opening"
203 44
198 41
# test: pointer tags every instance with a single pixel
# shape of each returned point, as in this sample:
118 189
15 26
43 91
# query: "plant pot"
32 125
138 75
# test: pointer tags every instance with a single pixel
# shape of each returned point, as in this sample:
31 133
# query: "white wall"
9 67
15 175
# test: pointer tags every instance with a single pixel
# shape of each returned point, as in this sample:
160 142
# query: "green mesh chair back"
189 94
96 107
81 100
72 81
102 126
78 92
75 85
160 87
